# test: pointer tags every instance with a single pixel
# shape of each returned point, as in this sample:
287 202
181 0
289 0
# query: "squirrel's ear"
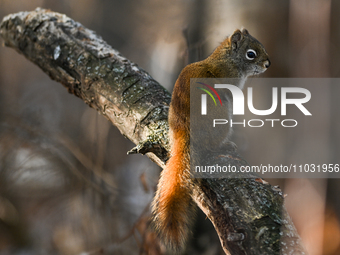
245 31
235 39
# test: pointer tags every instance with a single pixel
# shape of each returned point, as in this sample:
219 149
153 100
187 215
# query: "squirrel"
238 56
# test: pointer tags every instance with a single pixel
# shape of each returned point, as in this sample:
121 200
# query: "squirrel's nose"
267 63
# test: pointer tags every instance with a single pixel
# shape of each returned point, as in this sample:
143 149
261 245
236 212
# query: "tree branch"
248 214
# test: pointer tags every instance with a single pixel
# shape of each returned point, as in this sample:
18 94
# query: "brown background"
66 183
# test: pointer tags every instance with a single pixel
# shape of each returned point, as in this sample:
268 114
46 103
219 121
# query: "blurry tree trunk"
248 214
194 32
309 36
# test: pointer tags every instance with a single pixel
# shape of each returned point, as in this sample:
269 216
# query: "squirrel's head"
248 54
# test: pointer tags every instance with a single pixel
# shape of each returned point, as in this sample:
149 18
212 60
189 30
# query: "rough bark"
248 214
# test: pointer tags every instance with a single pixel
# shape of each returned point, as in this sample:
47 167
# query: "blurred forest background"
66 183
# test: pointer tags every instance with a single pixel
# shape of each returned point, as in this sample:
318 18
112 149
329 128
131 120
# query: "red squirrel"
238 56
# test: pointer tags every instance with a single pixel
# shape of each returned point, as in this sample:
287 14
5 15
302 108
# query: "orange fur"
172 204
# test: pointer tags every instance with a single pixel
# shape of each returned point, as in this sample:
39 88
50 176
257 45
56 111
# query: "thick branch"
248 214
90 69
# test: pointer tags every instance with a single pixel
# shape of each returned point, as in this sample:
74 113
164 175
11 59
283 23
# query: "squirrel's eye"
251 54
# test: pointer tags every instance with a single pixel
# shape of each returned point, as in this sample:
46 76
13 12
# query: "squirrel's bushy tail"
172 204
